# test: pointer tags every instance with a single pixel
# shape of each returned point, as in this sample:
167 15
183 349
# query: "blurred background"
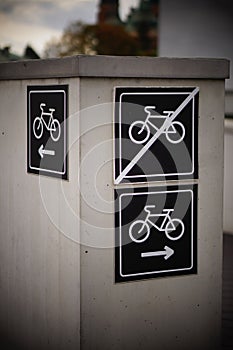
32 29
55 28
35 29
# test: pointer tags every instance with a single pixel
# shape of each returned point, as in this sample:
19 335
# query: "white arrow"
167 252
43 151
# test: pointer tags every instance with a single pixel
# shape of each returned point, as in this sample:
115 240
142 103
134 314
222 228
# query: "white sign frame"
120 233
123 173
29 131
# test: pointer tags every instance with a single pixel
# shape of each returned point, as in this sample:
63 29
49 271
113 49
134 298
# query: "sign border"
158 273
136 178
32 89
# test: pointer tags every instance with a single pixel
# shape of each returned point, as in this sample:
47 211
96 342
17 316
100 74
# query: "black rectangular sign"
156 133
156 232
47 108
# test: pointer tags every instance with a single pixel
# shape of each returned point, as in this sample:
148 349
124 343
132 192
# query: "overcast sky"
34 22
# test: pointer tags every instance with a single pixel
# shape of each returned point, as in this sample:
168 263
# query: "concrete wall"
58 294
180 312
228 184
40 275
228 169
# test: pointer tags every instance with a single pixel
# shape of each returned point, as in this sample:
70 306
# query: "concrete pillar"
57 241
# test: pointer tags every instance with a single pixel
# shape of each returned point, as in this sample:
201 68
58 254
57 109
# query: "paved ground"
227 293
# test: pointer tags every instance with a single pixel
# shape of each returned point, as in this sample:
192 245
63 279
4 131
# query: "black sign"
47 130
156 133
156 233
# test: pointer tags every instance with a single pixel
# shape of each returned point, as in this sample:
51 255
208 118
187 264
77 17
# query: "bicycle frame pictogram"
139 230
52 125
139 131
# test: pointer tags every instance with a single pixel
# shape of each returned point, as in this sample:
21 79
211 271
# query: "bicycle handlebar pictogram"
139 131
52 125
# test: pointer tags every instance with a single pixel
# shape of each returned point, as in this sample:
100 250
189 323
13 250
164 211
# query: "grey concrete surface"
228 174
227 293
58 294
113 66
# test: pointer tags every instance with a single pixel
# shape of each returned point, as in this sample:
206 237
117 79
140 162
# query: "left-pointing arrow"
167 252
43 151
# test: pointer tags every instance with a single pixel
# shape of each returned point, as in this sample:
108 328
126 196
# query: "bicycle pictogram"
139 131
173 228
51 124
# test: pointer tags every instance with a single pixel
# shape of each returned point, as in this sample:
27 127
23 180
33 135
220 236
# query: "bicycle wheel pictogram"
38 127
139 231
55 130
174 229
175 133
139 132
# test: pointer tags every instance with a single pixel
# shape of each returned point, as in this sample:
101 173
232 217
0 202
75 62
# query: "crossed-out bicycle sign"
153 127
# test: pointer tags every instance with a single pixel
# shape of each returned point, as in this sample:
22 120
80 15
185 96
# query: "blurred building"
108 12
141 23
198 28
7 55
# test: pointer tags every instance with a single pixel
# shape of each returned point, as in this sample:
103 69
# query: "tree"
114 40
78 38
101 39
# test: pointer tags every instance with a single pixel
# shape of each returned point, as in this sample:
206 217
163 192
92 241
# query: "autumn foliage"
100 39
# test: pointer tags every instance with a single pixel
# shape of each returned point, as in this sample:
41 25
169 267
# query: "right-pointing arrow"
167 252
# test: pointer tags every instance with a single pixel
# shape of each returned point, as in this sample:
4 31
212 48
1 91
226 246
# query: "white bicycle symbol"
139 230
52 125
139 131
